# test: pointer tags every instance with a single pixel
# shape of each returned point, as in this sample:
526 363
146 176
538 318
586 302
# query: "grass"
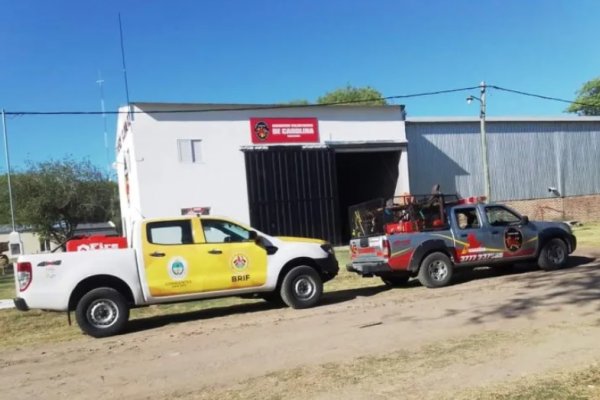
7 286
588 235
33 327
348 280
575 385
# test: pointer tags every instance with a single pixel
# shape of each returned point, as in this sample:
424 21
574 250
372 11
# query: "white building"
287 171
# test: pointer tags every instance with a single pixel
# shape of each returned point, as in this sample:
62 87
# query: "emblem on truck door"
513 239
177 268
239 262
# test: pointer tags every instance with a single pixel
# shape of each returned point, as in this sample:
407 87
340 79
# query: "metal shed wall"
525 158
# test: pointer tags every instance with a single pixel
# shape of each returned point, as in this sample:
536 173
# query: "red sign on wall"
284 130
97 243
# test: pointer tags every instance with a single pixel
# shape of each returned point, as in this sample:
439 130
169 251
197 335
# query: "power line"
248 108
539 96
292 106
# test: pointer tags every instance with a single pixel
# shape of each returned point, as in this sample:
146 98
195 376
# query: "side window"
499 216
216 231
214 235
189 150
467 218
170 232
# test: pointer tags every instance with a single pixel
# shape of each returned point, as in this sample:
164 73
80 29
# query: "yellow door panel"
172 261
177 272
234 265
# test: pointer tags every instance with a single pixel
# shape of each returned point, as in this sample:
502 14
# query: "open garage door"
364 173
292 191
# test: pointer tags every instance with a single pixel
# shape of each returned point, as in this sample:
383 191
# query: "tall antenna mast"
124 67
100 83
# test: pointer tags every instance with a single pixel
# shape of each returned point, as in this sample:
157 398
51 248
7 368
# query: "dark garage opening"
363 176
295 191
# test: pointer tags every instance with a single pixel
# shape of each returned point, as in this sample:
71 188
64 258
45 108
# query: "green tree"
297 102
353 95
55 196
588 99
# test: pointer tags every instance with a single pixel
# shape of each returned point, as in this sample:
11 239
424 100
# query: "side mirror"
524 220
253 235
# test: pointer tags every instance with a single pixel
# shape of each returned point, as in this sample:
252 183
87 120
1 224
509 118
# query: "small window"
499 216
170 232
467 218
224 232
190 150
45 245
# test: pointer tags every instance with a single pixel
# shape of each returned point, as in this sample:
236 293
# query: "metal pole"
10 197
124 68
484 151
100 82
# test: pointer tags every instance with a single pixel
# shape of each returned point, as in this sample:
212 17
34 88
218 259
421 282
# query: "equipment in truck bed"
400 214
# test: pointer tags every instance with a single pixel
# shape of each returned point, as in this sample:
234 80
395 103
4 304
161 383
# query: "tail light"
24 275
387 250
353 250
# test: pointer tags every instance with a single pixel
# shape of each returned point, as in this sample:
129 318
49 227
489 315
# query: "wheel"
395 280
436 270
553 255
273 298
102 312
301 287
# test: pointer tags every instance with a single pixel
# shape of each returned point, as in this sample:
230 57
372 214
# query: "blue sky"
269 51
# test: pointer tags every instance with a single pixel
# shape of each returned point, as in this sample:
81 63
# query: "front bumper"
20 304
328 267
369 269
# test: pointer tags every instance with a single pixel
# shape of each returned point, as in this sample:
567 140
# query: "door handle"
157 254
495 232
215 251
464 235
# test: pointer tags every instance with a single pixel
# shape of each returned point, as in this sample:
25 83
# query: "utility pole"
484 150
14 238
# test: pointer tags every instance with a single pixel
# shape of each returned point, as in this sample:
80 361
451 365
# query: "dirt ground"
491 327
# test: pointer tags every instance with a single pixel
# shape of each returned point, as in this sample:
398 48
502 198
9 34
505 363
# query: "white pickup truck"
174 260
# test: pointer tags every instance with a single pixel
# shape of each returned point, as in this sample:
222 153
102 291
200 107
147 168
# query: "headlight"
327 248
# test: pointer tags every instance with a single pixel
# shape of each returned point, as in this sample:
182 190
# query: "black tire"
553 255
301 287
395 280
272 298
102 312
436 270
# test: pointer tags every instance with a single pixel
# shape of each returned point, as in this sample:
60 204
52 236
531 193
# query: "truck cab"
430 236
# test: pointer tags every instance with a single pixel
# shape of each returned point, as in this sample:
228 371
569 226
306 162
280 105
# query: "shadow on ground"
467 275
549 290
329 298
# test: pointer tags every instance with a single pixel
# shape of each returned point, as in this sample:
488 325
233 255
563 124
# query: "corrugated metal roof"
557 118
233 106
